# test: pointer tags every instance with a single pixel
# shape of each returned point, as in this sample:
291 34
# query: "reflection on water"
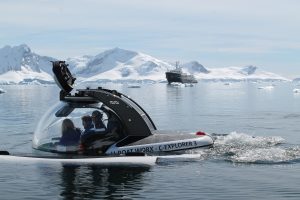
94 182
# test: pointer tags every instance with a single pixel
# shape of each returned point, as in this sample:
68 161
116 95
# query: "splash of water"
243 148
242 140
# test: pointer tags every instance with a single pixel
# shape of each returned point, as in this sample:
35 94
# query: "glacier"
20 65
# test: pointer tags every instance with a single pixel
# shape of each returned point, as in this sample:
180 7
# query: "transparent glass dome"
49 130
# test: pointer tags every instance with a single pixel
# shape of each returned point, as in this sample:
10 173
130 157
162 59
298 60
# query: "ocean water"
256 153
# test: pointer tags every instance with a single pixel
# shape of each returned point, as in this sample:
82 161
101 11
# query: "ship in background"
176 75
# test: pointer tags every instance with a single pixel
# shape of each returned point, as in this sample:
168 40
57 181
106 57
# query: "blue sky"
217 33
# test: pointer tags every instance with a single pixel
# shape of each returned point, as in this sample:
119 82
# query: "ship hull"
180 78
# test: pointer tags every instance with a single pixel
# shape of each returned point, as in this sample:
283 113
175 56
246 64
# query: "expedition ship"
178 76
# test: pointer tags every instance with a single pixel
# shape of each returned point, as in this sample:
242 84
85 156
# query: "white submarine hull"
163 146
100 161
113 161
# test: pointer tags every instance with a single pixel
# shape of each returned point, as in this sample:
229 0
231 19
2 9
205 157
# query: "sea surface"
256 153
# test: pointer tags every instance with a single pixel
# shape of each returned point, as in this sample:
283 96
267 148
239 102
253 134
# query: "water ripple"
291 116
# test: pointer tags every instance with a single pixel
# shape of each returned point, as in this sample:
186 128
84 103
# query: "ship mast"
177 65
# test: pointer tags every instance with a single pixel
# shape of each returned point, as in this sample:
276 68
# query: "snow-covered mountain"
194 67
19 65
296 80
248 73
119 64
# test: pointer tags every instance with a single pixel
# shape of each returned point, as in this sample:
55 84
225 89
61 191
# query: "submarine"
135 136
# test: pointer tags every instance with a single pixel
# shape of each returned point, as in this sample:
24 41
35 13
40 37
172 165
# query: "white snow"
2 91
23 76
19 65
194 67
238 74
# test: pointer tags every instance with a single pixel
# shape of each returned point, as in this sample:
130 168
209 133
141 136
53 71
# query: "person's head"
96 115
87 121
67 124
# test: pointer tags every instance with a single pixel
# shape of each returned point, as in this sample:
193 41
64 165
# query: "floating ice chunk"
189 85
133 86
270 87
296 90
2 91
174 84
